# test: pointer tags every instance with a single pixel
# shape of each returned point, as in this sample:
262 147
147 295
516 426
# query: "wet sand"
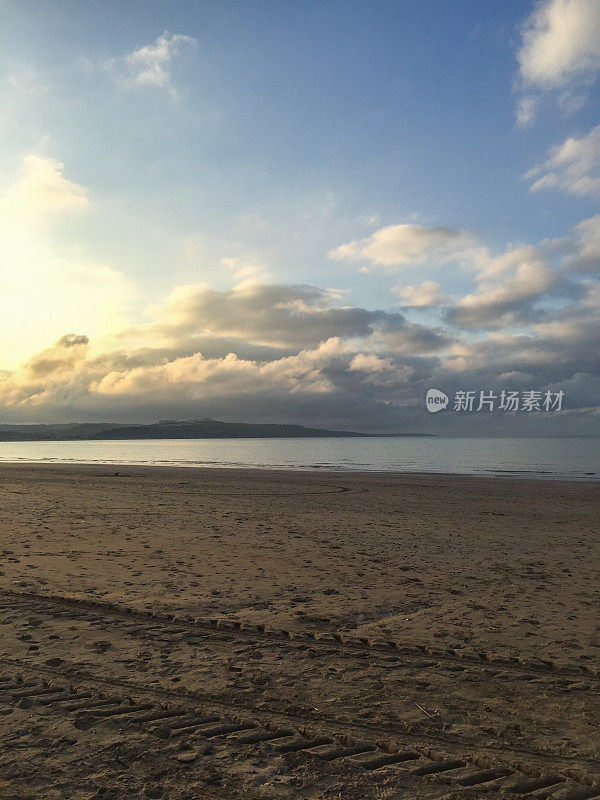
450 617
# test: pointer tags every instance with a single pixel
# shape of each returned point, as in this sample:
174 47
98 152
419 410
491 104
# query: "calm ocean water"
536 458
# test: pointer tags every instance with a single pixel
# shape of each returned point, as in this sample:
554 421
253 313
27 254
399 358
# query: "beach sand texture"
188 633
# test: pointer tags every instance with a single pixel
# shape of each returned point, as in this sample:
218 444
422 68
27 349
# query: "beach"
223 633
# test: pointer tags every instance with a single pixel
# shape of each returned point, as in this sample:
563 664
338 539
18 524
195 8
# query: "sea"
553 458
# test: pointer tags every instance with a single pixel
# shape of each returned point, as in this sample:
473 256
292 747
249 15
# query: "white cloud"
560 54
572 167
505 288
426 295
561 40
406 244
150 66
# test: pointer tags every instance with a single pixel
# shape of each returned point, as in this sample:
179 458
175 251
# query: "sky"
300 212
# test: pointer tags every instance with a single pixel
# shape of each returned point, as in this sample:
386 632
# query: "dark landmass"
169 429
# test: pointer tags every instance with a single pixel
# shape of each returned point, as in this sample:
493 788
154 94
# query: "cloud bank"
290 352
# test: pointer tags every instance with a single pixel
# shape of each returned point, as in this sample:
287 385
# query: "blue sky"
267 144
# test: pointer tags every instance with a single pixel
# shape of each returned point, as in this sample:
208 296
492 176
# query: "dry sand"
448 624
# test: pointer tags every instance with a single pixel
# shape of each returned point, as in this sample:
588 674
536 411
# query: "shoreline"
515 475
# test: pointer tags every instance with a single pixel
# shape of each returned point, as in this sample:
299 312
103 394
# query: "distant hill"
166 429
